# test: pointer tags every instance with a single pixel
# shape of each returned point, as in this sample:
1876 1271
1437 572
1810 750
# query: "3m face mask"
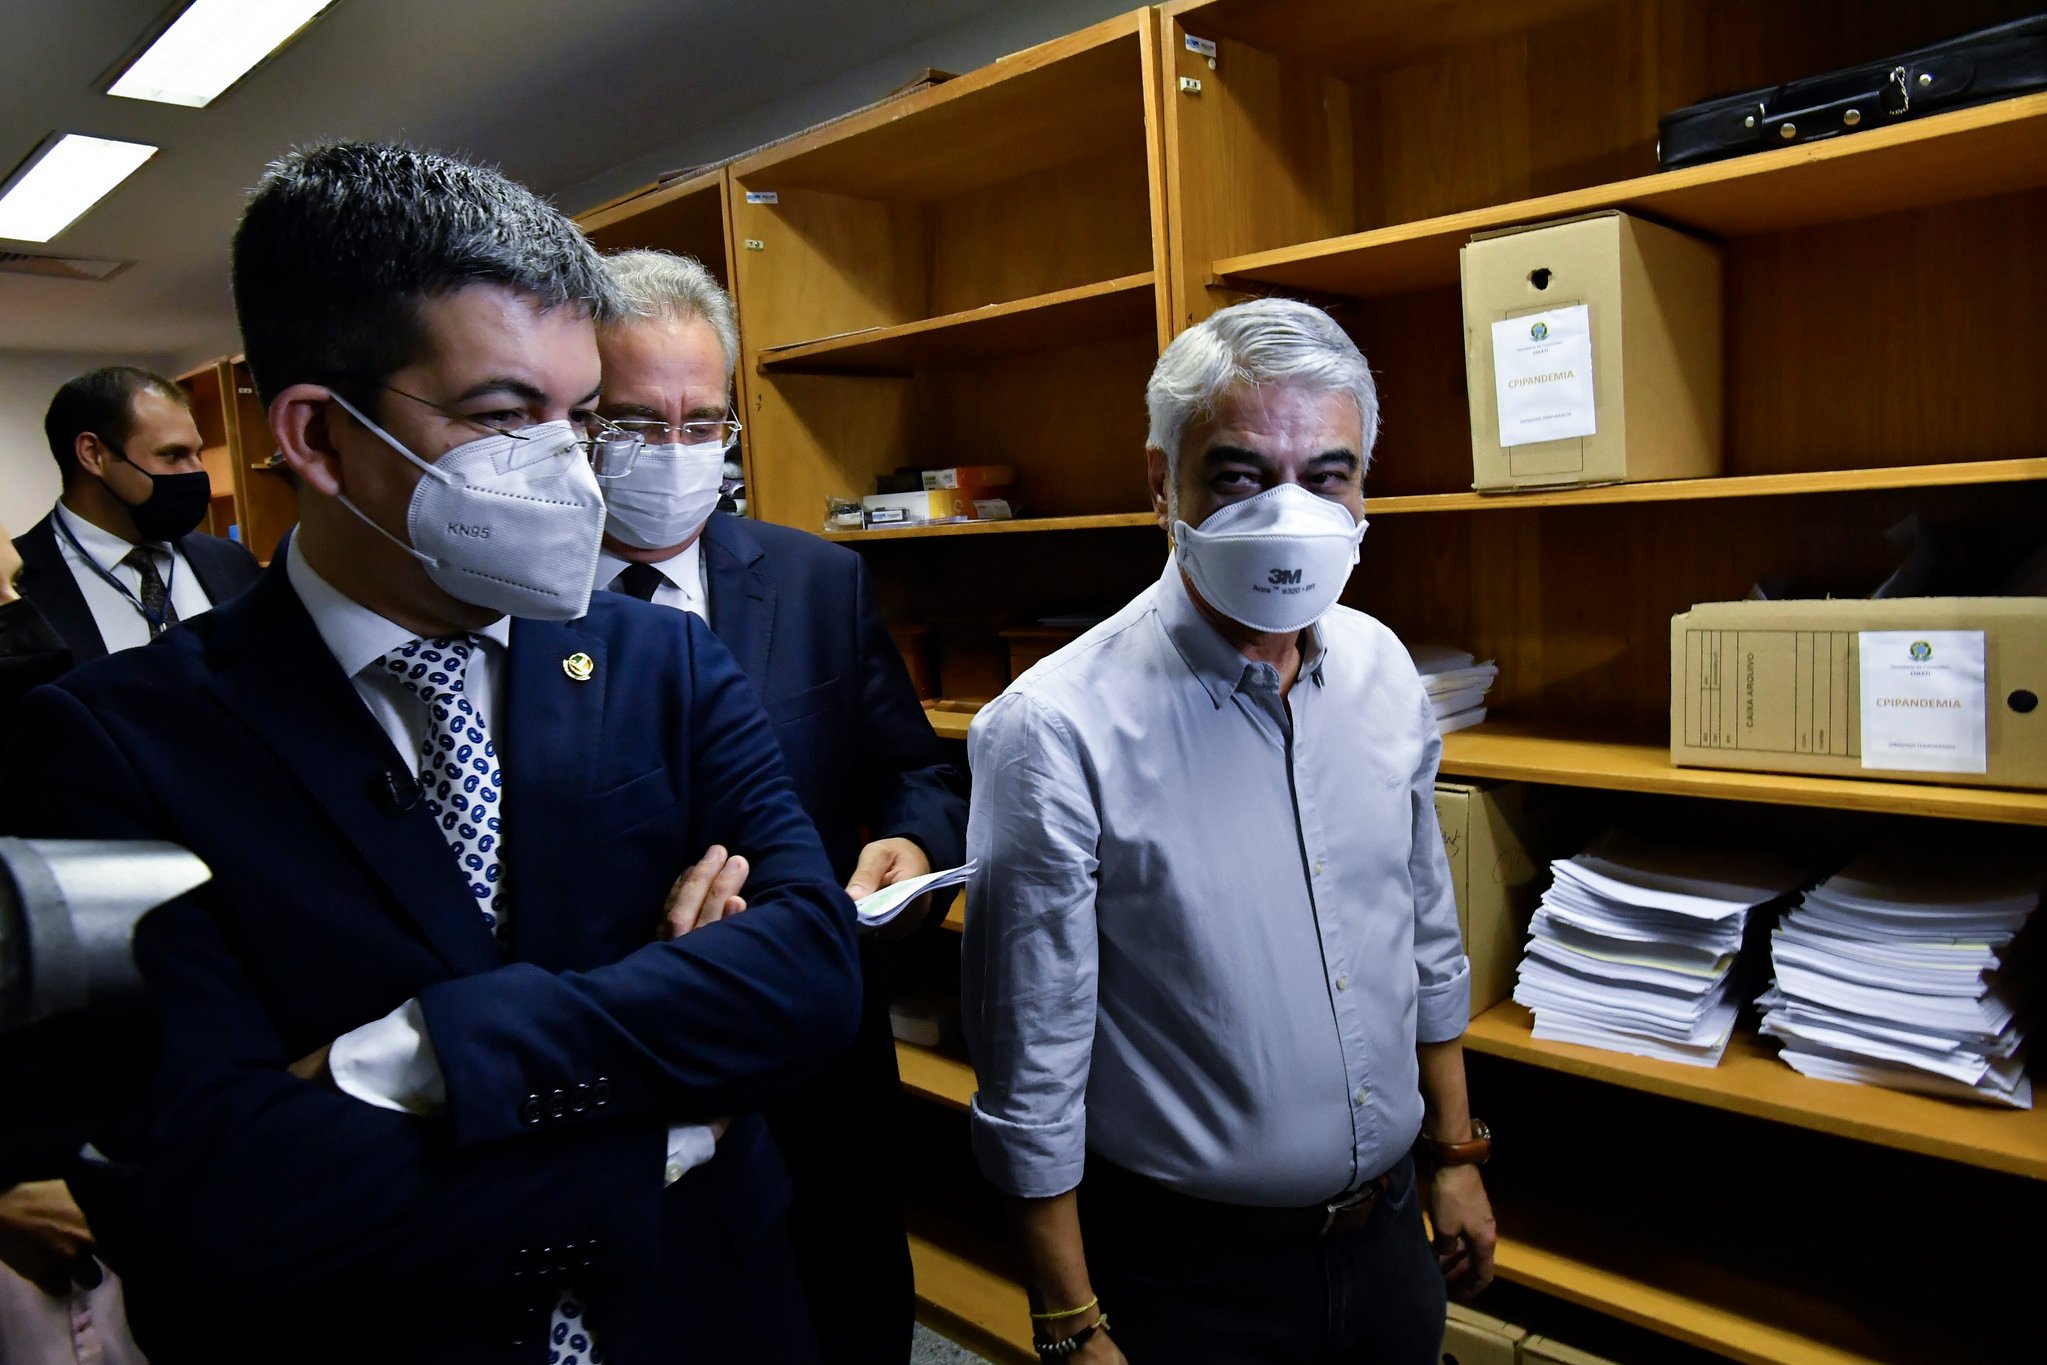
510 522
667 496
1275 562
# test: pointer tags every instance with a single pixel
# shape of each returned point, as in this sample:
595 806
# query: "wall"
958 50
28 476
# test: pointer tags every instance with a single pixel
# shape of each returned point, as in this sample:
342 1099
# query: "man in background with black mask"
117 562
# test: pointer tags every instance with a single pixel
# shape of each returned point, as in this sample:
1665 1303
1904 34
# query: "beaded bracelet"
1066 1346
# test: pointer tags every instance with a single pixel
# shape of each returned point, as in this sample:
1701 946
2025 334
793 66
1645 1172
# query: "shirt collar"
101 546
356 636
683 569
1217 663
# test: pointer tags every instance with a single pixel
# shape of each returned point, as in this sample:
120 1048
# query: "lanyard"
155 619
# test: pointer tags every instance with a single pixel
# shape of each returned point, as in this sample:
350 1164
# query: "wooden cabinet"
984 272
253 498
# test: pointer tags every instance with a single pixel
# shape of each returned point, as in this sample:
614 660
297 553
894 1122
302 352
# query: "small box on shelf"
1592 354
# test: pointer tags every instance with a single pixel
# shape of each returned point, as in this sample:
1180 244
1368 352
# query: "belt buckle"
1333 1208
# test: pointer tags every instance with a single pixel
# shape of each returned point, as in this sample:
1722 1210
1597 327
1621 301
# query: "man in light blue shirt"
1212 980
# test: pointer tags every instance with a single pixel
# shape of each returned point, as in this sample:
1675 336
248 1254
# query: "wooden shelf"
1673 1315
951 718
704 188
1736 486
1024 113
1505 751
1119 307
935 1075
1751 1080
955 921
977 1307
969 1300
1103 521
1948 158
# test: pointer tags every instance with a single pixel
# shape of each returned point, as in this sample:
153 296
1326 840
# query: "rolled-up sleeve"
1442 973
1028 960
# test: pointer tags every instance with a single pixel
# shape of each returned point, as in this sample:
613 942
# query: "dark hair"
340 244
102 402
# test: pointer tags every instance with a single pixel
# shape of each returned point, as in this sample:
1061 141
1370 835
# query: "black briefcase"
1976 68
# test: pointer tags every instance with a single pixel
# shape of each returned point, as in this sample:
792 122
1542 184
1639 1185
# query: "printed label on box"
1542 376
1923 704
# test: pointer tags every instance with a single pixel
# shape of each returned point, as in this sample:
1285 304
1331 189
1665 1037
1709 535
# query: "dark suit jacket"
340 1231
222 567
798 614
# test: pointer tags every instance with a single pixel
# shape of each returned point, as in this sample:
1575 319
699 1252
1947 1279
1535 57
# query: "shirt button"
1318 869
1343 983
673 1173
1360 1096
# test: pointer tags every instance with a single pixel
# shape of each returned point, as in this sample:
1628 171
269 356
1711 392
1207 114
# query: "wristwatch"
1471 1153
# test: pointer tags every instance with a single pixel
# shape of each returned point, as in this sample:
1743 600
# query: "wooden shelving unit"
1104 521
983 272
1751 1080
257 503
1119 307
1968 154
975 1306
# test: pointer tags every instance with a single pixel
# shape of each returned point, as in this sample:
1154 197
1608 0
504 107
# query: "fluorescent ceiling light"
210 47
73 175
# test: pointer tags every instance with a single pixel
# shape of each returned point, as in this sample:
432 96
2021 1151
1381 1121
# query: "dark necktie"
640 580
156 603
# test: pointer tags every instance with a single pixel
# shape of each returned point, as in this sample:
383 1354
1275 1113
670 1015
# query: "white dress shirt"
117 614
391 1063
685 588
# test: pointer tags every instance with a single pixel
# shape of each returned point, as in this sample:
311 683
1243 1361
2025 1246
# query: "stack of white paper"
1456 682
1885 974
1635 947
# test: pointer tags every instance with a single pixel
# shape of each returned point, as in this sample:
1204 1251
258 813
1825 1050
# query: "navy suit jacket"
277 1219
798 614
222 567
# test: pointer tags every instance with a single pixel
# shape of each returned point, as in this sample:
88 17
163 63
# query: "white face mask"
510 521
1275 562
667 496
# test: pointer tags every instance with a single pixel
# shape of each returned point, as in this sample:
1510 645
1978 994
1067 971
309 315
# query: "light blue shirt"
1210 923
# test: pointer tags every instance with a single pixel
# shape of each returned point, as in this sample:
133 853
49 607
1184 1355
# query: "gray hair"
1264 341
671 288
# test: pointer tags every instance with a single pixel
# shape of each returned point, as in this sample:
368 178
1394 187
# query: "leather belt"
1110 1188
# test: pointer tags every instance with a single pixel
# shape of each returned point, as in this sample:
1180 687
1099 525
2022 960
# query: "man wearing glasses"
798 614
439 1078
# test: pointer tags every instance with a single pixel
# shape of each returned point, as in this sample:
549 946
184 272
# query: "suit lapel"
549 741
743 601
46 580
278 677
215 572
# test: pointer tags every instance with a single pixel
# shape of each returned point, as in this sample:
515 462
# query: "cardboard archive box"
1471 1338
1611 371
1492 834
1926 689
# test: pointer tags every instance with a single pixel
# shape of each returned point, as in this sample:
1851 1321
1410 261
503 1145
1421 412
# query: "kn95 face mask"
1275 562
667 496
511 521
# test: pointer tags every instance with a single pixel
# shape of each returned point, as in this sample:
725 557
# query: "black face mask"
175 506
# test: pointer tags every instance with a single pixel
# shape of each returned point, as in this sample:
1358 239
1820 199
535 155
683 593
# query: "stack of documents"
1887 973
885 904
1637 948
1457 684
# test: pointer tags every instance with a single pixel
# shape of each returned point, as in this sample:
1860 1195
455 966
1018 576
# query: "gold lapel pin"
579 667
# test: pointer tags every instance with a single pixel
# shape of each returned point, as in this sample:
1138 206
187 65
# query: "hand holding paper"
885 904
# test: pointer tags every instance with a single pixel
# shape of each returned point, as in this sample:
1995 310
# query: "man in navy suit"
119 560
437 1085
798 614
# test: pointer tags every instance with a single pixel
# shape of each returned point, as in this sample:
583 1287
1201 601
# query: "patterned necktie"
458 764
640 580
156 602
461 781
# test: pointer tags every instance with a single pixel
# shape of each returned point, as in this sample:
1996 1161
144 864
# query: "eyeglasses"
610 447
724 431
